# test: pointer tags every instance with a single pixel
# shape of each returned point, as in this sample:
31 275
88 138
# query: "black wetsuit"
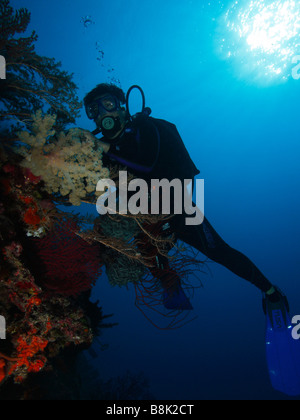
153 149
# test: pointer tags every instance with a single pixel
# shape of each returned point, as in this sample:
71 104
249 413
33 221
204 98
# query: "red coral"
31 217
22 290
29 177
13 250
71 264
2 369
27 352
24 175
26 199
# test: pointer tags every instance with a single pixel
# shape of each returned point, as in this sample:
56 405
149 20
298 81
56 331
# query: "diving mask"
108 103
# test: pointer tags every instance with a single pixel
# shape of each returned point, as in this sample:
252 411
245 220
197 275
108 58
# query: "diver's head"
104 105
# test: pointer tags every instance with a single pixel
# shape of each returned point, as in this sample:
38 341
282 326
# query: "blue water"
242 132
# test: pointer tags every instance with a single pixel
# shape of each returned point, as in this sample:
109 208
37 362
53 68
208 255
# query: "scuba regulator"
145 110
109 125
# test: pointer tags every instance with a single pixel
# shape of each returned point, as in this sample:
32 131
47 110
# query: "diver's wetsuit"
153 149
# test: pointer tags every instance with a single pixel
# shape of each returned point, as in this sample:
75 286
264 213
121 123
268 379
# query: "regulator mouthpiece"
110 126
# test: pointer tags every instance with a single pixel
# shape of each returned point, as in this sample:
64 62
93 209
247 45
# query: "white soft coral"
70 164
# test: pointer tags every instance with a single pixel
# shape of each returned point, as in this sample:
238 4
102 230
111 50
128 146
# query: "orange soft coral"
27 350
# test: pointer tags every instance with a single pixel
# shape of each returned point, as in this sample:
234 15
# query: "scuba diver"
152 148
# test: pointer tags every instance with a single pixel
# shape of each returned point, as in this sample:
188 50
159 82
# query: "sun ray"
262 37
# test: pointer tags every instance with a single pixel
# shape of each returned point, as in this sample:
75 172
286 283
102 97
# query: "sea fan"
70 265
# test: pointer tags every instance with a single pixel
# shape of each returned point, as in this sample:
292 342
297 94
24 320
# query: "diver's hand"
90 136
